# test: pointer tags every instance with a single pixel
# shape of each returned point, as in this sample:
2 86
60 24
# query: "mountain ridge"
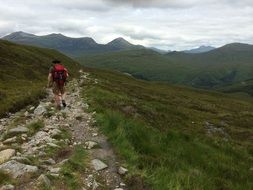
221 66
70 46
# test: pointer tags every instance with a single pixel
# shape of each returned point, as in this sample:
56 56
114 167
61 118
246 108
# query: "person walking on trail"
57 77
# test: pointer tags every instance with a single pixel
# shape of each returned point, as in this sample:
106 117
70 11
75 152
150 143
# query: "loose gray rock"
16 169
90 144
43 180
98 164
39 110
122 170
6 155
7 187
54 132
32 108
10 140
50 161
26 114
18 130
55 170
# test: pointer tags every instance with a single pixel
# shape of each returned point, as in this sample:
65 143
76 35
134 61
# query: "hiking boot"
64 103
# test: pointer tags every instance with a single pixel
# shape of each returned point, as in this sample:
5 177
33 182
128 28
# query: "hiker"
57 77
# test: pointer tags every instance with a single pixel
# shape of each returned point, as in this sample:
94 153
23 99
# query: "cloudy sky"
166 24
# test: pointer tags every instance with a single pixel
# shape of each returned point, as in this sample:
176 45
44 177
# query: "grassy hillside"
173 137
24 71
229 64
240 87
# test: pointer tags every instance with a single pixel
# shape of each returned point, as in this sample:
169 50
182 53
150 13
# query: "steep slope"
70 46
24 72
226 65
174 137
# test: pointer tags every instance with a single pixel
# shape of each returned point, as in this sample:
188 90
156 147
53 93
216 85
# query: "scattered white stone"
94 134
55 170
94 185
24 137
7 187
16 169
32 108
122 170
26 114
90 144
89 180
18 154
43 180
42 136
122 184
10 140
98 164
118 189
40 110
50 161
54 132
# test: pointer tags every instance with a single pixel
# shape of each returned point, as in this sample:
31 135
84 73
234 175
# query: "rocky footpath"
37 146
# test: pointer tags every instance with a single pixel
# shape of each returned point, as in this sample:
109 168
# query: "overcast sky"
166 24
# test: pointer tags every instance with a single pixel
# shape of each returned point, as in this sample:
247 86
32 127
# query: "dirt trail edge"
42 148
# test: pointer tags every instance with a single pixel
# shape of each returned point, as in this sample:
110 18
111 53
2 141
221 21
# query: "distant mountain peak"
19 34
56 35
120 41
201 49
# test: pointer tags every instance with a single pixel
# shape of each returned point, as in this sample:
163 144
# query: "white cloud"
168 24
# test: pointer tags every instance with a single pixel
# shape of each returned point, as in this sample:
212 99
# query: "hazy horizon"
167 24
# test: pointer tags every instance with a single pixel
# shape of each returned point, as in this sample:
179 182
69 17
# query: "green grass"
5 178
24 71
160 132
65 134
35 127
71 170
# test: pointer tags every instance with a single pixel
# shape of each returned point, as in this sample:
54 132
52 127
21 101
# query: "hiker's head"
56 61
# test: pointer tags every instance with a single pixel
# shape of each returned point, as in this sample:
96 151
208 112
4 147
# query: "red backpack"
59 74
